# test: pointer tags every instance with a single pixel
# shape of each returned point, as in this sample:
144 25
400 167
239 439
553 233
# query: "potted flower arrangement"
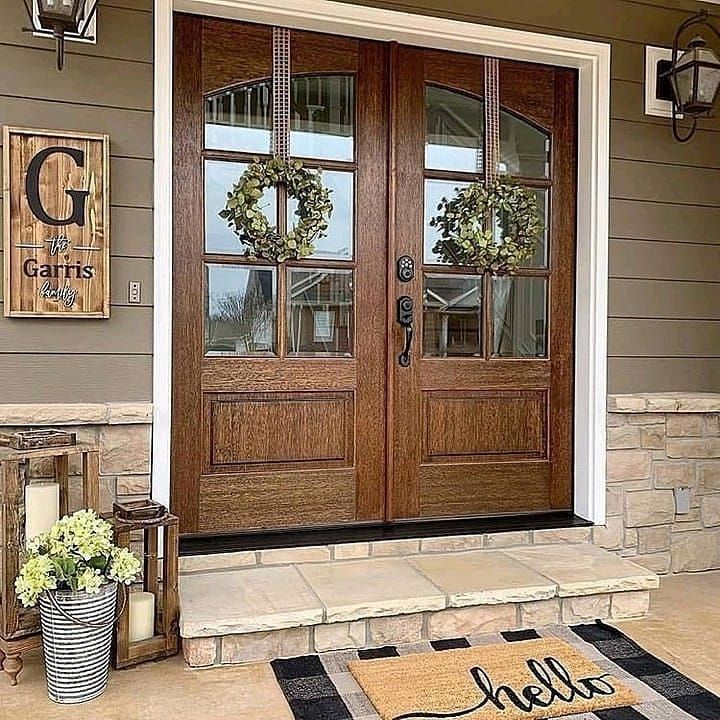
73 573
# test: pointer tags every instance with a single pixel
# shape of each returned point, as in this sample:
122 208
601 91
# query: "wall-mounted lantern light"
61 18
694 75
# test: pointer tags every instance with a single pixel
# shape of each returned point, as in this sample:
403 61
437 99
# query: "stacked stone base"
657 443
403 629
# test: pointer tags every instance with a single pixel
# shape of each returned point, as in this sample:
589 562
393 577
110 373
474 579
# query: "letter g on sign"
32 188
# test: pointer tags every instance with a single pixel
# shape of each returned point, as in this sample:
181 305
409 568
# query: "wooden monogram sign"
57 226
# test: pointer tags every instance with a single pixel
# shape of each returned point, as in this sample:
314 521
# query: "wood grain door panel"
484 424
472 489
483 434
282 499
291 439
284 431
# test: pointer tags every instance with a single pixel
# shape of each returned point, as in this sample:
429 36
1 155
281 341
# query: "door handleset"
405 319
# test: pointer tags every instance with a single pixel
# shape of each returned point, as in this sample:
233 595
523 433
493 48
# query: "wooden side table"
20 627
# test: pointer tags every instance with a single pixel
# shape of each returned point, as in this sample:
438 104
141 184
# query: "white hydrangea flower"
90 581
34 579
124 566
76 554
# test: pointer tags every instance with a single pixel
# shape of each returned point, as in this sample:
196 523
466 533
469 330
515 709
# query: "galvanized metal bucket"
77 630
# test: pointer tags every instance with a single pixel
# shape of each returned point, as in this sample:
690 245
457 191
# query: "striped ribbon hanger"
492 120
280 141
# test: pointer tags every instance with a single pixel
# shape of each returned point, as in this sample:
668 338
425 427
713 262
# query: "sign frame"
12 292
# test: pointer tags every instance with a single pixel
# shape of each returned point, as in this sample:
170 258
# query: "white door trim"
591 59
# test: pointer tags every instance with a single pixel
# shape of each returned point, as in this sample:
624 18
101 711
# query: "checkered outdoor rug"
320 687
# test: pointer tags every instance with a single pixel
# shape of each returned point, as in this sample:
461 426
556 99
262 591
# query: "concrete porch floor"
683 628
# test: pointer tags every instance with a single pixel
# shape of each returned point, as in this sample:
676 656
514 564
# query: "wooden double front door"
291 404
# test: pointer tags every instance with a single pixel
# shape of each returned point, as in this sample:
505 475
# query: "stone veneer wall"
657 442
122 430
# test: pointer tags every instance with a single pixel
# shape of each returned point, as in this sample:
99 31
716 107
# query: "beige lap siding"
105 88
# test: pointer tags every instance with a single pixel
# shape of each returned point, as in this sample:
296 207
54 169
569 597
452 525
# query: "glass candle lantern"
28 507
148 626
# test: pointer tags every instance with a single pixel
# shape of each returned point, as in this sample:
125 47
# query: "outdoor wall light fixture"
60 18
694 75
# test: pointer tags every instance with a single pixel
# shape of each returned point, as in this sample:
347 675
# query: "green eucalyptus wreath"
468 231
262 239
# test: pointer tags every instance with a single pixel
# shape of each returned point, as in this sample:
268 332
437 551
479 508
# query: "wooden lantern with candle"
148 627
29 507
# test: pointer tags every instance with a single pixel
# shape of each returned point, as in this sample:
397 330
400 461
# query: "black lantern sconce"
60 18
694 75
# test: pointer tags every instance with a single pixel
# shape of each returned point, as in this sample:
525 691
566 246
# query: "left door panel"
279 370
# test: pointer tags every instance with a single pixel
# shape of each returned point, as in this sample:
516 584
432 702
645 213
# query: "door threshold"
203 544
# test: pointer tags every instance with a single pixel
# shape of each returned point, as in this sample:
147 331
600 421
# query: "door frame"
590 58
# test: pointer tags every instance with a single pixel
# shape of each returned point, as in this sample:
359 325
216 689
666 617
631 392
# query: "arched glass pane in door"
322 117
240 118
524 148
454 130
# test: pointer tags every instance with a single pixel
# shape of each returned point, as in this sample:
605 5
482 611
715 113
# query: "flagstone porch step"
250 614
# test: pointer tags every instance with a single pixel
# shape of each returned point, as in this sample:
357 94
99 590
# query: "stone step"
249 614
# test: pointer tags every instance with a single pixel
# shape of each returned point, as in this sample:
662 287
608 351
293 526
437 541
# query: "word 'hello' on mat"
527 680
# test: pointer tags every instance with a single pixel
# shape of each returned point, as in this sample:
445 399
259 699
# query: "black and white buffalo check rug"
320 687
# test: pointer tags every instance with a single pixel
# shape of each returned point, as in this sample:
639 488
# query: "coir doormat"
321 687
532 679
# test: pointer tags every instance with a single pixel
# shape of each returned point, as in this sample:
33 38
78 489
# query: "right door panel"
482 416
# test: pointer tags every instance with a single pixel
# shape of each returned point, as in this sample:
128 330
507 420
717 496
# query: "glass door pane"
452 316
519 317
320 312
240 119
454 135
337 242
220 176
435 191
524 149
322 117
239 310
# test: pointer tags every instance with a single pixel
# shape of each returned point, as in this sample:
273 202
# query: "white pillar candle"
142 616
42 507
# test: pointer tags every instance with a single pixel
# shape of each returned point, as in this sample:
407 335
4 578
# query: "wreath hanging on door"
263 239
469 223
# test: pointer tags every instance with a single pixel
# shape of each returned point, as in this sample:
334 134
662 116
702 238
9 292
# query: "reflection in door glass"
539 258
435 191
240 119
337 243
452 316
320 312
239 310
524 150
219 179
322 117
519 317
454 130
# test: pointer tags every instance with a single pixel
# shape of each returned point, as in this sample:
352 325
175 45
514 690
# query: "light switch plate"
134 292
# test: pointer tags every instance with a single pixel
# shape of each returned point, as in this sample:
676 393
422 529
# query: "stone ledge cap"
669 402
118 413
